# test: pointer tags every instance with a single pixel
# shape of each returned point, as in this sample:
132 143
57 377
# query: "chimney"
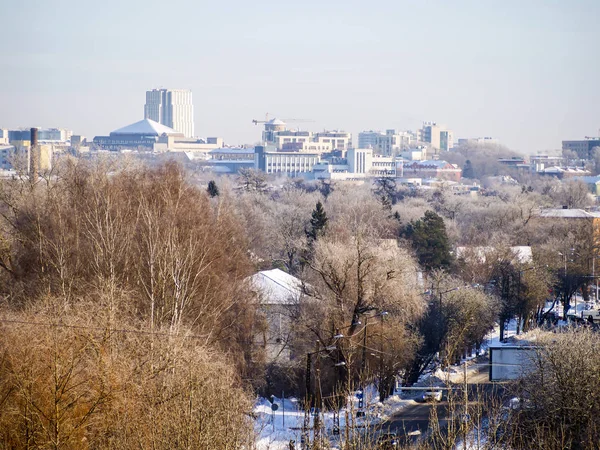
34 156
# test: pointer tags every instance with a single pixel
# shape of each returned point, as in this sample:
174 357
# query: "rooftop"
277 287
568 213
146 127
232 150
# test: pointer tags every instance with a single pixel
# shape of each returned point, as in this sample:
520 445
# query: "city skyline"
523 73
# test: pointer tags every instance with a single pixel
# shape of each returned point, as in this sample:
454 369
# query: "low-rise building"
7 153
152 136
564 172
292 164
538 163
442 170
279 295
49 135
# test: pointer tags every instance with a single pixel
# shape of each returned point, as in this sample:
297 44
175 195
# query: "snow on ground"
275 429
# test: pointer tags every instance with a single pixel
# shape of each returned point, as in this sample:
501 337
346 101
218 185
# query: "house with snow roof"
278 294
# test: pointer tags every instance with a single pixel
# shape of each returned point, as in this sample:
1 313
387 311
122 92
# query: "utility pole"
363 365
466 415
304 441
381 382
318 401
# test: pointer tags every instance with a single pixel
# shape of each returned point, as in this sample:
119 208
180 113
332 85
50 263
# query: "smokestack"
34 156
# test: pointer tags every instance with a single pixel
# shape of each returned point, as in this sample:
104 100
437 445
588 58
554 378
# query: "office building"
49 135
339 140
390 143
292 164
171 107
278 135
438 136
583 148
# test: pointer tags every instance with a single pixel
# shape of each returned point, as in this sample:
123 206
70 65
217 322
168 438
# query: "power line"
112 330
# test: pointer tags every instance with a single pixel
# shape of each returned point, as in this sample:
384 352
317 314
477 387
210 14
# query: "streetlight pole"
305 440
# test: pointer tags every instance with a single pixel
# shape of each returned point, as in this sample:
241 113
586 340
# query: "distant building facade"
276 134
432 169
142 134
390 143
583 148
538 163
173 108
44 135
292 164
438 136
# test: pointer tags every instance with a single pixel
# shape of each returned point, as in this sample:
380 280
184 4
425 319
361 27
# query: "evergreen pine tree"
385 203
468 170
318 222
212 189
430 240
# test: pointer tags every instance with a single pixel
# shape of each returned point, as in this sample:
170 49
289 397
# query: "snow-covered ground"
275 429
578 305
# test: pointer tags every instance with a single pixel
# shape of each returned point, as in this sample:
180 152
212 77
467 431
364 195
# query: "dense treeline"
125 323
128 320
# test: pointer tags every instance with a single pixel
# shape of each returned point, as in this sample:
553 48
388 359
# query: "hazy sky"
525 71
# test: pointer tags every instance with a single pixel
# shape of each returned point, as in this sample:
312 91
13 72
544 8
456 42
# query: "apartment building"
173 108
390 143
438 136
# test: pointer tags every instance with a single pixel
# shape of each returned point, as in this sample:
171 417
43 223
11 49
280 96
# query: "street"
415 418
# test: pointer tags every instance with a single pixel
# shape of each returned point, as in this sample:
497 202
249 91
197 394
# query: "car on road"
432 395
592 315
387 441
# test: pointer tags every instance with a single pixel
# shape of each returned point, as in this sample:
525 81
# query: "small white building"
279 296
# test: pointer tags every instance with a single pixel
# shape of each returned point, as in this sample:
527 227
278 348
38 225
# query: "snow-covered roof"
232 150
568 213
146 127
521 253
588 180
440 164
277 287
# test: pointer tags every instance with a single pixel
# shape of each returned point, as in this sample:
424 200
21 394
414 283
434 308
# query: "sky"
526 72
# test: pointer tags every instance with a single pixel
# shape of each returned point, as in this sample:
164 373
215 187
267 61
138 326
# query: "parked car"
432 395
594 314
387 441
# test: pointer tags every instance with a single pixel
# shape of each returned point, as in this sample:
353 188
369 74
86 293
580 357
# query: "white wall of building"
171 107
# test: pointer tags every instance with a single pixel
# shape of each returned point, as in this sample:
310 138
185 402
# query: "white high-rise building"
171 107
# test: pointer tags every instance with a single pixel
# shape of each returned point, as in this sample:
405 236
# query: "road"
415 418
